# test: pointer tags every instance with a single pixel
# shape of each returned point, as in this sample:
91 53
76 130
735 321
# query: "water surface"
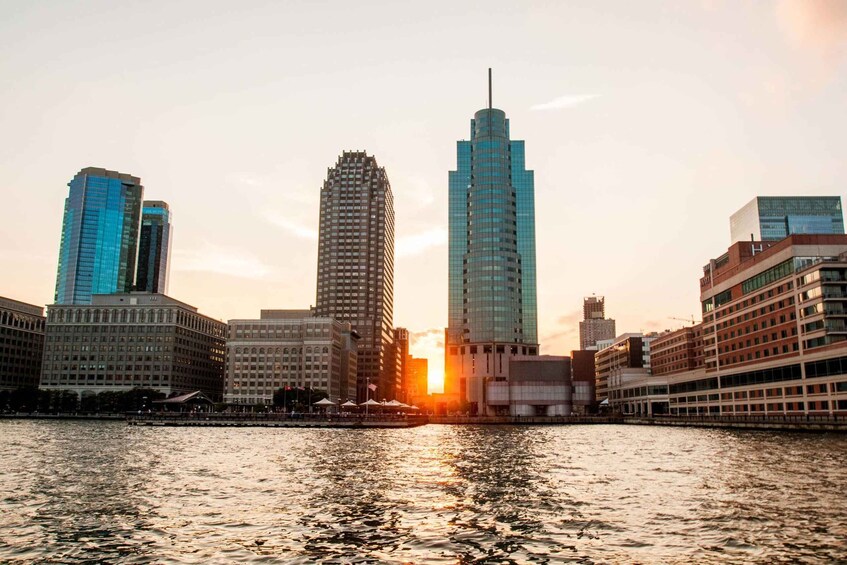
91 492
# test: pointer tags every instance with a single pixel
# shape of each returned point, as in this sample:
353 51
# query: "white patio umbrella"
324 402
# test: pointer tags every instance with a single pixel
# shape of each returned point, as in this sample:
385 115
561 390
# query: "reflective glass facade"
99 243
154 248
492 288
770 218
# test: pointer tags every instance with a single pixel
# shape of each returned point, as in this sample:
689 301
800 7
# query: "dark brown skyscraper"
356 265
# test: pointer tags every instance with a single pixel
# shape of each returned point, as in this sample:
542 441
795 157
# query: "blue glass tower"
493 308
100 229
154 247
771 218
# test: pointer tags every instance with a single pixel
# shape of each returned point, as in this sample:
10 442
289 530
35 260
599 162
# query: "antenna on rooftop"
489 88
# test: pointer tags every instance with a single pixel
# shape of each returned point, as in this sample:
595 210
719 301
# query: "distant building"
289 348
21 344
99 244
154 248
595 326
418 377
401 347
133 340
771 218
492 298
356 265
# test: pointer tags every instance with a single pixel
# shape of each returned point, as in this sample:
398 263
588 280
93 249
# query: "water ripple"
94 492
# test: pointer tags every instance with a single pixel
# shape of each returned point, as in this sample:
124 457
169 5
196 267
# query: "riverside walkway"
224 419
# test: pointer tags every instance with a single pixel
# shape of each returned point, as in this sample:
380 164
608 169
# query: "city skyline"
661 145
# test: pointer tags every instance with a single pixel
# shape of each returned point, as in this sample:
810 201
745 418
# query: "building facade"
154 248
418 377
401 348
538 385
99 244
771 218
492 309
356 265
583 380
289 348
133 340
773 341
21 344
594 326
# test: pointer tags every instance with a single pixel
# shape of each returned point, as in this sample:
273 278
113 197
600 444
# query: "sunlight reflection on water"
76 492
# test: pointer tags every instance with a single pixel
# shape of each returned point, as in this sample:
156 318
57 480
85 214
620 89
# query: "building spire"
489 88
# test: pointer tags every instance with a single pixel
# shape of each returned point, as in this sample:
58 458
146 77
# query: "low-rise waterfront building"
289 348
21 344
538 385
583 380
133 340
773 340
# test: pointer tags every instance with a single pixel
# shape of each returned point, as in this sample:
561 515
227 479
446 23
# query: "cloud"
816 25
570 318
416 244
221 260
293 228
438 332
564 102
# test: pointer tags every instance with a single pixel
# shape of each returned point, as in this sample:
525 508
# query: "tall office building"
356 265
99 243
492 290
594 326
770 218
154 247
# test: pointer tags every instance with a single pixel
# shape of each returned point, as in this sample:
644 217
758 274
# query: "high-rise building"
154 247
595 326
356 265
21 344
133 340
770 218
99 243
492 287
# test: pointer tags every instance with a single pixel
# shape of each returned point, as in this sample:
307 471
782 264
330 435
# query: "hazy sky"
647 124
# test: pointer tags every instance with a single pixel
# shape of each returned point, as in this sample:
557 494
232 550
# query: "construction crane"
692 320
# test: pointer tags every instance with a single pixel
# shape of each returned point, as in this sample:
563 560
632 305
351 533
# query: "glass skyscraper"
770 218
492 290
154 247
356 266
100 228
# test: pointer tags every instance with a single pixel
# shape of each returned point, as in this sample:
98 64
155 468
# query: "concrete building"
99 246
771 218
594 326
133 340
538 385
289 348
154 248
356 265
492 302
21 344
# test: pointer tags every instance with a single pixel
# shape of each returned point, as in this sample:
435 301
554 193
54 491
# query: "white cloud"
564 102
294 228
221 260
418 243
